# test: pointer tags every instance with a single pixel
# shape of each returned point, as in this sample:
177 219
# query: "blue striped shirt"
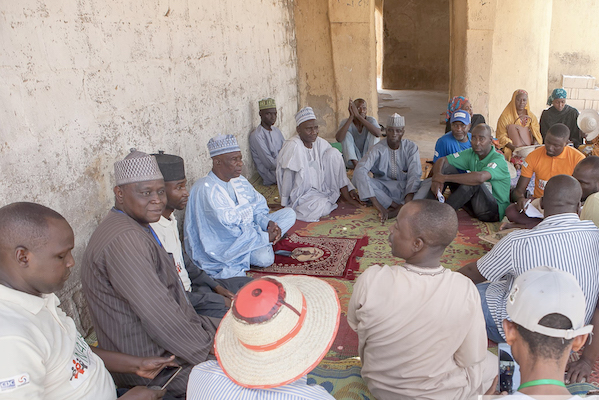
561 241
207 381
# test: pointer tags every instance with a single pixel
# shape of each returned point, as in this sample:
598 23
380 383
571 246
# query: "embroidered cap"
222 144
278 329
136 167
545 290
396 121
303 115
171 166
265 104
461 116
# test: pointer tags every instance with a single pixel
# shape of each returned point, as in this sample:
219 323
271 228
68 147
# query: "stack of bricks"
582 92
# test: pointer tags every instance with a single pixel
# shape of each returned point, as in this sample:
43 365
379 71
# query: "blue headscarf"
557 94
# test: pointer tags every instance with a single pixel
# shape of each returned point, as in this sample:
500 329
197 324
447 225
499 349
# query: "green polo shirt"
495 164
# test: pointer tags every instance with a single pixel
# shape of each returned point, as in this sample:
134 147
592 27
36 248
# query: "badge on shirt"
456 155
542 184
492 165
81 361
524 163
15 382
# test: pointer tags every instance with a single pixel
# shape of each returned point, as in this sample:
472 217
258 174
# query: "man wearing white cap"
561 240
227 224
132 287
358 133
310 172
396 169
546 323
266 142
278 330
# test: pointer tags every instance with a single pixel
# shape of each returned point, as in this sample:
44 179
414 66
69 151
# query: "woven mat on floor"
336 256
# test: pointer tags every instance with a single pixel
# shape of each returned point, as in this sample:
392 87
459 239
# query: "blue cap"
461 116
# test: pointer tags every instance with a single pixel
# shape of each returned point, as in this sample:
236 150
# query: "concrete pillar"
336 50
498 47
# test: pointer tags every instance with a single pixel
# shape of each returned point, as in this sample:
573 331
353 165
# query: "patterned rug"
335 257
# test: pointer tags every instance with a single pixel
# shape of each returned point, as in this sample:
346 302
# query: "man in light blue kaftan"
227 223
396 169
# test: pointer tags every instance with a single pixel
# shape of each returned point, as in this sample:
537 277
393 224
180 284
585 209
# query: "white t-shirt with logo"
42 356
168 233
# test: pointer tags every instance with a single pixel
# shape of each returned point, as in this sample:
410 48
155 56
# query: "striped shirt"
137 302
208 382
561 241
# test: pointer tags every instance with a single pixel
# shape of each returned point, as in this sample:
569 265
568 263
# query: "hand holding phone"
164 377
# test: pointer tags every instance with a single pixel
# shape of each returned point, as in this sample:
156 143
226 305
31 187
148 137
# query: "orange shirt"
546 167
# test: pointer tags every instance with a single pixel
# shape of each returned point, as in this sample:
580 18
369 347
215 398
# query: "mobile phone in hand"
509 371
164 377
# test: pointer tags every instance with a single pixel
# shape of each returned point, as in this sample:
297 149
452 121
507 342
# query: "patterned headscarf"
558 93
454 105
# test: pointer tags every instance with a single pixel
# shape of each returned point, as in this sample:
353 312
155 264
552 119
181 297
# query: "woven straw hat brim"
589 114
293 359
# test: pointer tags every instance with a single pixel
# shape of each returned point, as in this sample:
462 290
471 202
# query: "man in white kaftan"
266 142
310 172
396 169
227 223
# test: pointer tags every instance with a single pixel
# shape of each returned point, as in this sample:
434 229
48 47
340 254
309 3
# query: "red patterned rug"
336 256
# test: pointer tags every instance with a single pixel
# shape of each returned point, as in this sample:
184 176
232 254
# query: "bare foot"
393 211
510 225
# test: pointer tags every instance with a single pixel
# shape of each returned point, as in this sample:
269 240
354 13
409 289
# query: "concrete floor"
422 110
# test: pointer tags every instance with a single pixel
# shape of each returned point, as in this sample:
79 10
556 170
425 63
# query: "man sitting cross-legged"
227 224
133 291
310 172
420 326
547 322
43 355
587 174
561 240
266 142
358 133
554 158
483 191
211 297
396 169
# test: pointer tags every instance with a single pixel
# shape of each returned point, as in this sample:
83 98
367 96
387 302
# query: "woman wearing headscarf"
517 126
462 103
560 112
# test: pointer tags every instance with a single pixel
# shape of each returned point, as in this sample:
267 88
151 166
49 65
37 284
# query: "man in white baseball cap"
546 310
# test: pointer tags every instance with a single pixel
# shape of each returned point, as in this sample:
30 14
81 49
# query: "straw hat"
524 151
277 330
588 122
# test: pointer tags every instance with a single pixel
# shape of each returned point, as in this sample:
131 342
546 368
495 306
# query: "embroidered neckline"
425 271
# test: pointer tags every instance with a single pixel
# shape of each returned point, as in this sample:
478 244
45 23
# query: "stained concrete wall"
498 47
572 50
520 58
336 50
85 80
416 44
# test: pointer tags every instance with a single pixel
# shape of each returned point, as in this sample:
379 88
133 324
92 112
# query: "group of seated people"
422 328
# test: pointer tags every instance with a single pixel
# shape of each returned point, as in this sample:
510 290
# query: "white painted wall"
82 81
